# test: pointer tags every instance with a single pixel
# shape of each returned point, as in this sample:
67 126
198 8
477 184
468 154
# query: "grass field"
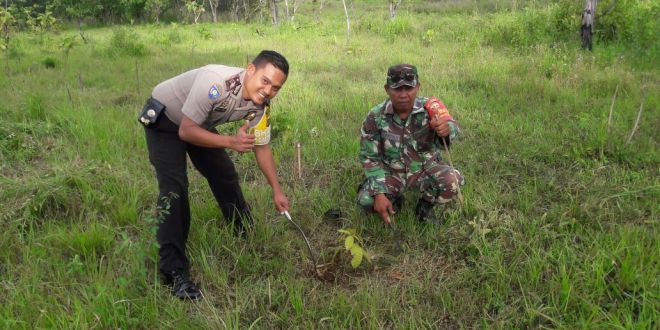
559 228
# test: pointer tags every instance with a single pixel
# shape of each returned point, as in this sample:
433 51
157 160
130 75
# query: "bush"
400 26
523 29
565 18
126 42
629 22
49 62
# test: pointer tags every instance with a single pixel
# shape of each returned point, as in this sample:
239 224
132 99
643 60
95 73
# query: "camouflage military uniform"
400 154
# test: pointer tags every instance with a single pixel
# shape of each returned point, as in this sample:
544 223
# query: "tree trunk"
587 26
213 5
273 11
348 22
296 5
394 4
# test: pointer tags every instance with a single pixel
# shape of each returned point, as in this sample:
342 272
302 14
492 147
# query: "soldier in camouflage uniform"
400 146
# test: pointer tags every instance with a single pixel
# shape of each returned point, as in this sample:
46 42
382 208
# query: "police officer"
179 119
400 144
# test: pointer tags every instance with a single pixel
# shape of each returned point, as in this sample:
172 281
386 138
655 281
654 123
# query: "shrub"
49 62
125 41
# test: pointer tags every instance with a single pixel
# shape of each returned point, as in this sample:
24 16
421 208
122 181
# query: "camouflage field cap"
402 74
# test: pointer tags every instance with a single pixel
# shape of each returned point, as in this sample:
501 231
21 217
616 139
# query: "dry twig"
636 126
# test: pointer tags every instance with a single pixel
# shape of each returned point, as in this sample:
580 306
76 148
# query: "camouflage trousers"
438 183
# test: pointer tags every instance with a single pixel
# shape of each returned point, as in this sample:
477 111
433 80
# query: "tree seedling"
353 243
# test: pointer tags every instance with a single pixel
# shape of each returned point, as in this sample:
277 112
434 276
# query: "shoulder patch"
233 85
214 92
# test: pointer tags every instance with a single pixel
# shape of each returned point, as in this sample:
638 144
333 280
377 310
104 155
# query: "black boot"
182 286
425 214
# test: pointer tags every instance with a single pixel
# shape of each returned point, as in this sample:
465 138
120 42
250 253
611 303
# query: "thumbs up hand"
242 141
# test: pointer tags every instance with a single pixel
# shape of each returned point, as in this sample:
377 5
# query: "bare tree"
317 14
213 5
394 4
273 11
286 7
348 22
296 5
588 20
246 11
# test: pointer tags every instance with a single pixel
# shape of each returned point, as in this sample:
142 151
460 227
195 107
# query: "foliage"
630 22
49 62
79 9
67 43
565 18
204 33
195 9
353 244
39 21
427 38
559 228
7 22
126 41
155 8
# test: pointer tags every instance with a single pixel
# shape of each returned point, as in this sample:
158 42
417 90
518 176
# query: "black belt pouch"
151 112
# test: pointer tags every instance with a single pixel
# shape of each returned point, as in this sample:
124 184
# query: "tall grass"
559 228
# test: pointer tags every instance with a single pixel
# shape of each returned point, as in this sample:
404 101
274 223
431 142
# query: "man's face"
262 84
402 97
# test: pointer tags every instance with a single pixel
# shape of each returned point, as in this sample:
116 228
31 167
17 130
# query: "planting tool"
309 246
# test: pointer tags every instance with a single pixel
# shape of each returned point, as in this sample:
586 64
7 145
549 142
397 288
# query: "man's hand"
281 202
440 126
242 141
383 207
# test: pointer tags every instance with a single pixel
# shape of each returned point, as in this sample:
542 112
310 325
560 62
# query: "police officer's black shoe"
397 203
425 214
182 286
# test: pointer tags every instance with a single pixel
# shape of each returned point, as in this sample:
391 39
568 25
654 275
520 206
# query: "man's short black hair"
272 57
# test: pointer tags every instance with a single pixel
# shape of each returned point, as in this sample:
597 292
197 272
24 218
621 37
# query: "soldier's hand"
440 126
242 141
383 207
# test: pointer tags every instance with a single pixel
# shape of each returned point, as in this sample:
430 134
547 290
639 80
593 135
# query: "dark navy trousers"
167 153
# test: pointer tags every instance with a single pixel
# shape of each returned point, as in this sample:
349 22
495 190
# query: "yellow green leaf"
357 250
349 242
357 260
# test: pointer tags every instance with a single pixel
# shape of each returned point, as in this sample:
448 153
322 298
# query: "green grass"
558 230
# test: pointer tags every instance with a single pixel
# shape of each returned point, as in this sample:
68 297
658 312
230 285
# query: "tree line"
27 13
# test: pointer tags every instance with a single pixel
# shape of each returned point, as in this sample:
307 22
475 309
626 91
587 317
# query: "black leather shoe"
182 286
425 214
